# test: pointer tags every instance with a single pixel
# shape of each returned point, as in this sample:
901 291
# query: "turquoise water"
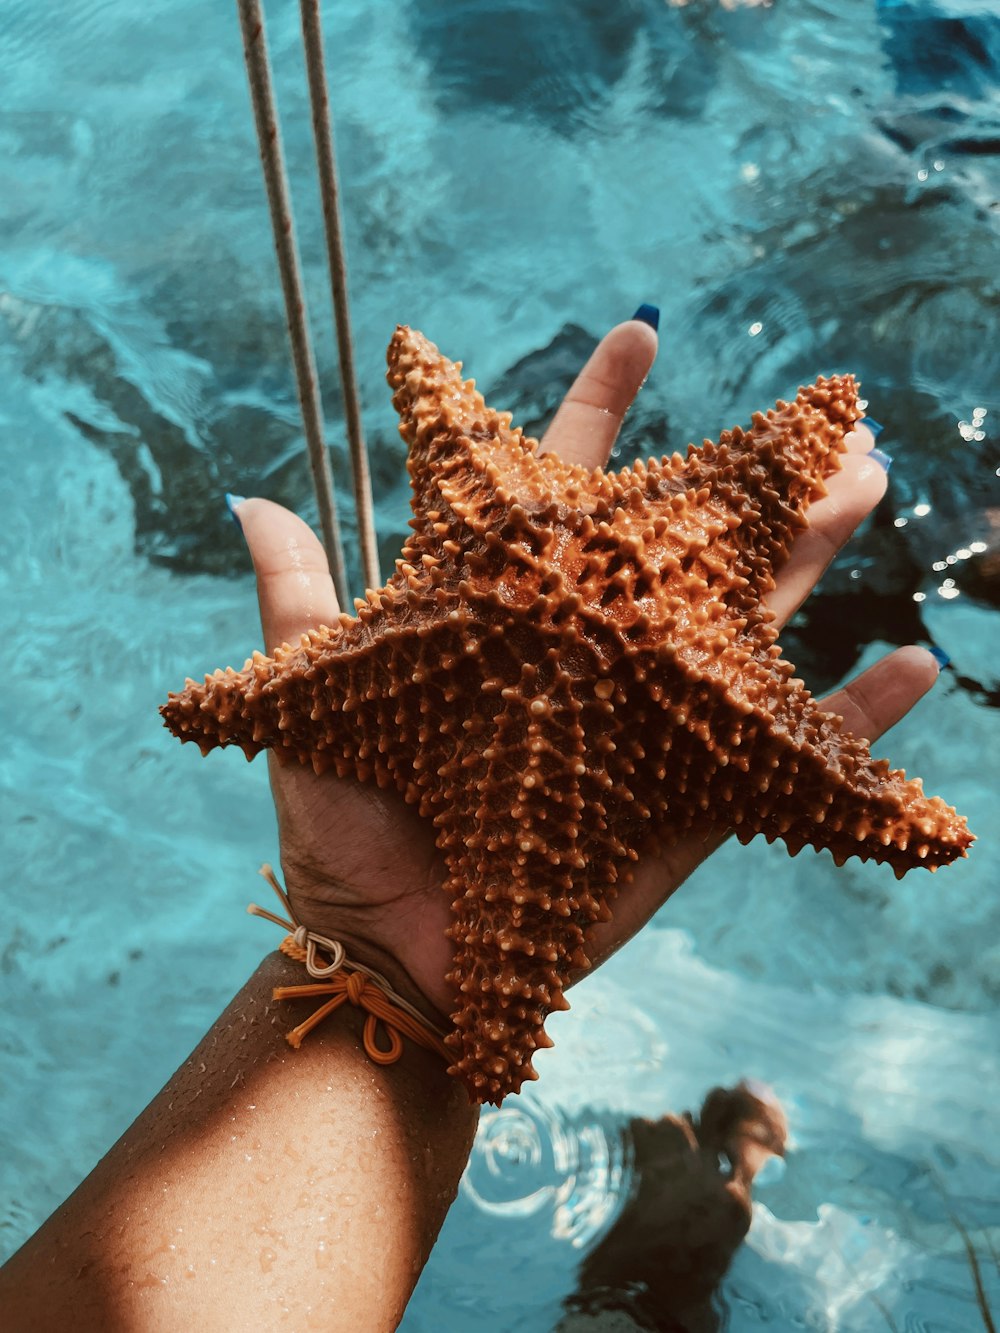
802 187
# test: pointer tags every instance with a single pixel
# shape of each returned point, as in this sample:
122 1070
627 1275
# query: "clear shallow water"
801 188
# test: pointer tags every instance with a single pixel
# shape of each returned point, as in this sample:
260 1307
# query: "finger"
852 494
294 587
861 440
876 700
587 423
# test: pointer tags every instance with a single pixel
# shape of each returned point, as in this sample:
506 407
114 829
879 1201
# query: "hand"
360 865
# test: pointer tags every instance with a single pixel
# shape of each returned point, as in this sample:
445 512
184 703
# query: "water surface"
802 187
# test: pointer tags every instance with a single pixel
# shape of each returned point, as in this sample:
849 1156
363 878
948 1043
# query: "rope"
279 202
346 982
326 161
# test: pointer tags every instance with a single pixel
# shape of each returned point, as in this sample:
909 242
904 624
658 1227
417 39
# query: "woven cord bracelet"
346 981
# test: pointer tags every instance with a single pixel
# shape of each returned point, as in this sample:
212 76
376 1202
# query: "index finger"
590 416
294 587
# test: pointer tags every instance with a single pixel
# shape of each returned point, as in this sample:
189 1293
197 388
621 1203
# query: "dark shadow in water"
560 63
934 49
661 1264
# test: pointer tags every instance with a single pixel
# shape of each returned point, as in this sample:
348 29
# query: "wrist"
374 954
326 940
394 937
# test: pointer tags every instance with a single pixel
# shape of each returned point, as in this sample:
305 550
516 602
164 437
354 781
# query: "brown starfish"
570 665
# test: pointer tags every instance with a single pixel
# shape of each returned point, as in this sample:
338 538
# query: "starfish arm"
793 773
745 498
233 707
472 473
770 474
535 868
458 449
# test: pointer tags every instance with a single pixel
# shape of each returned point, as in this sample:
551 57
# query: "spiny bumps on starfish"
567 667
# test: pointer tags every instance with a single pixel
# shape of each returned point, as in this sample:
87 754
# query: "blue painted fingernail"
231 502
874 426
883 460
942 657
648 314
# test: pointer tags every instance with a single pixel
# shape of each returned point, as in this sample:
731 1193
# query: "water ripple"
533 1159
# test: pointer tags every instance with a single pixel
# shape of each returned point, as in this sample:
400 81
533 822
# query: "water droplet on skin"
267 1258
324 1256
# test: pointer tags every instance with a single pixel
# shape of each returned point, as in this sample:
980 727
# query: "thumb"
294 587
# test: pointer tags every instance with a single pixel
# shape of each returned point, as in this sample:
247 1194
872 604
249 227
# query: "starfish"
568 667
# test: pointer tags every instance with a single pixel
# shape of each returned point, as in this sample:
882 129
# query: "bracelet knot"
343 980
356 987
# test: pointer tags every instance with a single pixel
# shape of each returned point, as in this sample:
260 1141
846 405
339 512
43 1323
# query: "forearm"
263 1187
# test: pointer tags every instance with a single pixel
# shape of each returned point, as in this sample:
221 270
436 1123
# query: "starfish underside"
570 666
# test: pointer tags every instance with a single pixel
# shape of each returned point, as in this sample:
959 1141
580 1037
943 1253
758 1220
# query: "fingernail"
874 426
232 501
942 657
884 460
648 314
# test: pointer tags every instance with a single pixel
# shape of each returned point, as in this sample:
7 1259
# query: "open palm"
360 865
